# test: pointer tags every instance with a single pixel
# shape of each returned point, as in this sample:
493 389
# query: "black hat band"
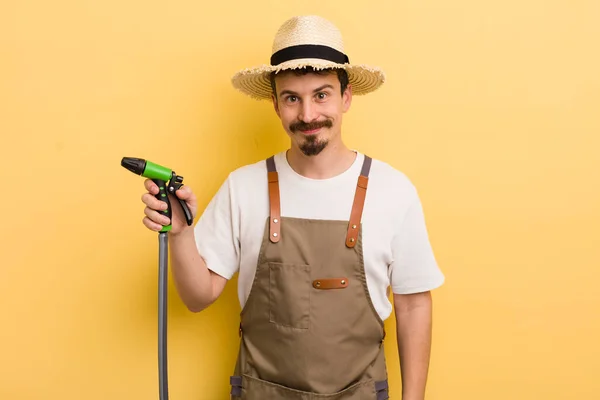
309 51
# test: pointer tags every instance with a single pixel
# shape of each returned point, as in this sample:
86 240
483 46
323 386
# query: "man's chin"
313 148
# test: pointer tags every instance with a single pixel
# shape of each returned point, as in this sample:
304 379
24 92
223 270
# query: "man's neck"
332 161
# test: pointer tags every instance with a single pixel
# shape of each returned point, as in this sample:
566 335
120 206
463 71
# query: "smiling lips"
311 131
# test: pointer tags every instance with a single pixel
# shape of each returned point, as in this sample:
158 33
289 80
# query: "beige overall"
309 329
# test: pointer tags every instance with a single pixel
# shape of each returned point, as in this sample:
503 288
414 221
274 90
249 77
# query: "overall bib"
309 329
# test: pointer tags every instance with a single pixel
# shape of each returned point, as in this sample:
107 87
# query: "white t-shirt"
396 245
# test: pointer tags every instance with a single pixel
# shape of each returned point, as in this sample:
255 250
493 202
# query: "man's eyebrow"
326 86
290 92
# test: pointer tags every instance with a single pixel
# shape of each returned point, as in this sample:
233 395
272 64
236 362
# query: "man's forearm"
413 327
193 280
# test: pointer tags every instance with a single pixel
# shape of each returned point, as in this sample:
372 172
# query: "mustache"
304 126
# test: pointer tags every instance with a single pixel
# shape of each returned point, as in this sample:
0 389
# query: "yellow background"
491 108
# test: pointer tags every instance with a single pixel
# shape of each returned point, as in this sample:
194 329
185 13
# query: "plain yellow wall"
491 108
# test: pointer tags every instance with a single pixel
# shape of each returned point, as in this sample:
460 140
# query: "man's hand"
413 327
154 220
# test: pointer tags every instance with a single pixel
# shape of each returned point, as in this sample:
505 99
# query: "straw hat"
307 41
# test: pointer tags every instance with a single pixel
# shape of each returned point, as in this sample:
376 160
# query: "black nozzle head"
135 165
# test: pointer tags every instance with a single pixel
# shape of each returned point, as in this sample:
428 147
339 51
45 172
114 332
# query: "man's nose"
308 112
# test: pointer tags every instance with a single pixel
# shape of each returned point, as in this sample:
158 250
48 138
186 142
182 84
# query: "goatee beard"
312 145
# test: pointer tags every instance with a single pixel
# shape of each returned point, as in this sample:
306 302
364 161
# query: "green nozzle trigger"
166 180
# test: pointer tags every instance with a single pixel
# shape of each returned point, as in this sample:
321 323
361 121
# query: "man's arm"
197 286
413 328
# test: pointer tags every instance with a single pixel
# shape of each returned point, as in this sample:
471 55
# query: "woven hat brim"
255 82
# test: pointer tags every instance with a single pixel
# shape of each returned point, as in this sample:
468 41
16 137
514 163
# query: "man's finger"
153 202
151 186
156 217
184 192
151 225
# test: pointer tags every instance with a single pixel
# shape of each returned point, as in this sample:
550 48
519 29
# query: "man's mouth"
310 131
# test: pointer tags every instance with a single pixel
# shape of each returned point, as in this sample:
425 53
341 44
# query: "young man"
318 234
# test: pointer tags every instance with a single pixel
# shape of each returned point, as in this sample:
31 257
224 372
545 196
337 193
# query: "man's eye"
291 99
321 96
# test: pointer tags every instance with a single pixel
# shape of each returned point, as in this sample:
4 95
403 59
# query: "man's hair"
341 73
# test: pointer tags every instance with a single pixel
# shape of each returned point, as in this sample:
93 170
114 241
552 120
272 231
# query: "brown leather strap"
359 202
275 209
330 283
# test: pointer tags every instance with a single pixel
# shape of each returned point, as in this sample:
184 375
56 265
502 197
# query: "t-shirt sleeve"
414 268
217 234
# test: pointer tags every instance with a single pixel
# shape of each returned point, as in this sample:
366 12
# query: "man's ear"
347 98
275 105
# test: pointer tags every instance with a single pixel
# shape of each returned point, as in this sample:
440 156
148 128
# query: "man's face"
310 107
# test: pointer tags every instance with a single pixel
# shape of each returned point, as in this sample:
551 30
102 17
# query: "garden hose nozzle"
167 180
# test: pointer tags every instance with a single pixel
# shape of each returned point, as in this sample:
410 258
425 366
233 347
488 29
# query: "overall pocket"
257 389
289 295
